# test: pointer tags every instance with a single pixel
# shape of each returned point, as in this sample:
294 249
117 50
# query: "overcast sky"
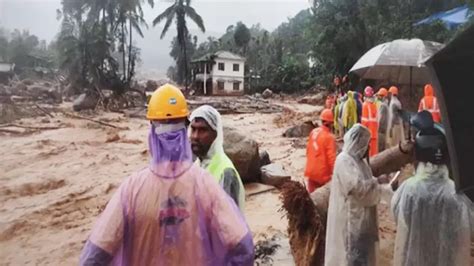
39 17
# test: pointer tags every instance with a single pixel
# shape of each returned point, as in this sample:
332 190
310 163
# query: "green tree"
178 12
242 36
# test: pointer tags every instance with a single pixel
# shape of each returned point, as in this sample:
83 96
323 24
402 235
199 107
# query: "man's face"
202 137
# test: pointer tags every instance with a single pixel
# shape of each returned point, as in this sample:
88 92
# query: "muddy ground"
53 183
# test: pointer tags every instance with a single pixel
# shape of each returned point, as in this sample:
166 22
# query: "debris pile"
236 105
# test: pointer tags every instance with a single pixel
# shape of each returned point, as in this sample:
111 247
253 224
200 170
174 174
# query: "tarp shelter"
451 18
452 71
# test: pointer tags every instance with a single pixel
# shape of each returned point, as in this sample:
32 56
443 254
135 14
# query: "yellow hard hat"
167 102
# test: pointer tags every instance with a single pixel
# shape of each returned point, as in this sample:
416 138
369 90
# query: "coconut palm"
178 12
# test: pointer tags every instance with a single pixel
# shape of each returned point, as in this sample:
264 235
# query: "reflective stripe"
433 109
314 138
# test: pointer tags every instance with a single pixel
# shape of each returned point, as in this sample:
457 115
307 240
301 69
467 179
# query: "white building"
224 74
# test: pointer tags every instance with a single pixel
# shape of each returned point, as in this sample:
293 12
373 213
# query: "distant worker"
321 152
369 119
430 104
352 230
396 132
172 212
433 220
207 143
349 111
382 117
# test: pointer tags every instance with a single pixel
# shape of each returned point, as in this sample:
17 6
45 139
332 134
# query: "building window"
220 66
236 86
236 67
220 85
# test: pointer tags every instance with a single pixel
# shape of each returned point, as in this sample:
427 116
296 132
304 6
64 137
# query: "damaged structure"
219 73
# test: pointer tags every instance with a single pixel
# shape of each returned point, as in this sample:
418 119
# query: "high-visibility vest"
433 109
216 167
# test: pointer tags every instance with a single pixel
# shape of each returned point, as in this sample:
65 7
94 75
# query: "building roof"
219 54
228 55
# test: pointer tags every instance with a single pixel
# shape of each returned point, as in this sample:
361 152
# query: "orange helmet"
382 92
167 102
393 90
326 115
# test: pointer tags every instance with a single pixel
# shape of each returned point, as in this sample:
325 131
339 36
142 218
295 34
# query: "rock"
46 84
28 82
299 131
243 152
274 174
45 120
84 102
317 99
264 158
112 138
267 94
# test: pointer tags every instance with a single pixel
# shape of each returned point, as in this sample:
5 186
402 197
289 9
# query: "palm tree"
178 11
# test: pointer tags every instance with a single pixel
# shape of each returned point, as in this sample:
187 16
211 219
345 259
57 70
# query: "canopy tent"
451 18
452 70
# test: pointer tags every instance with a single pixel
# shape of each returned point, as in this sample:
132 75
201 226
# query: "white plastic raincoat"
352 231
395 131
433 222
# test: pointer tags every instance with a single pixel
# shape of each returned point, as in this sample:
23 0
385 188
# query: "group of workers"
181 211
434 223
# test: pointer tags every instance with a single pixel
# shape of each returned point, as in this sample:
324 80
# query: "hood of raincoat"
429 90
356 141
170 149
214 120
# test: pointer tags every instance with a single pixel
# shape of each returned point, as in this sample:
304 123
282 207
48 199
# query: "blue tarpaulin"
451 18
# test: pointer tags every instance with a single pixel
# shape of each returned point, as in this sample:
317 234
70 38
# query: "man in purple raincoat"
172 212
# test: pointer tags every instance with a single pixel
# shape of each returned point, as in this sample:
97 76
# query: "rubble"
236 105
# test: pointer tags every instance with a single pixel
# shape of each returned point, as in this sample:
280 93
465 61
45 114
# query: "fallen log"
307 213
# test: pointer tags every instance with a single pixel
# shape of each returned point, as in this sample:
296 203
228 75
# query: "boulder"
274 175
243 152
299 131
267 94
317 99
264 158
84 102
28 82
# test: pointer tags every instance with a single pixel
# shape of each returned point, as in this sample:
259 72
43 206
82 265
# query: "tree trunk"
130 53
123 52
185 53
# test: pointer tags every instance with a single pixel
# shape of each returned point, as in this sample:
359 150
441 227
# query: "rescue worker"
352 230
430 104
369 119
382 117
433 221
349 111
320 153
396 132
207 140
172 212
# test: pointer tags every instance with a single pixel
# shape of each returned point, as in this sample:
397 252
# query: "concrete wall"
228 87
228 68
